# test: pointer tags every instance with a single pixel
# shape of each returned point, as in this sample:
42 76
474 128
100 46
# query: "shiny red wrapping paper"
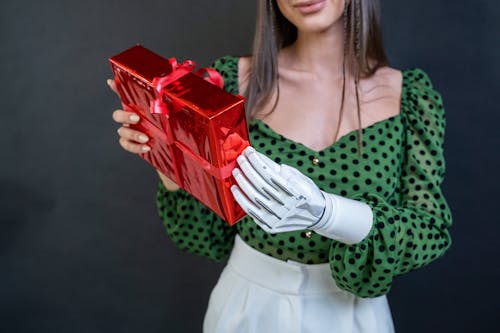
196 128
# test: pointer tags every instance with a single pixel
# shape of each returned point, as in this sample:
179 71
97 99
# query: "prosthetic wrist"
345 220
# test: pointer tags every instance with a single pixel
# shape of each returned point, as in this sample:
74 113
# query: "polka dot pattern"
398 175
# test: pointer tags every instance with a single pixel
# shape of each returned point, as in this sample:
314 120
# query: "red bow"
159 106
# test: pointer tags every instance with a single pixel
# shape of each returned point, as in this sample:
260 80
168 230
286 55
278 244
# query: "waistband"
289 277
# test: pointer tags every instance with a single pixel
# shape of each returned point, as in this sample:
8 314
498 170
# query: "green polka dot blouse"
399 176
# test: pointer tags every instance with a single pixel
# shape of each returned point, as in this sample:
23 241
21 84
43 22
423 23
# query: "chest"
317 115
338 168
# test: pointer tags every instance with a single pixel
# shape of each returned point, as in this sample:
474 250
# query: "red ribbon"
159 106
213 76
233 145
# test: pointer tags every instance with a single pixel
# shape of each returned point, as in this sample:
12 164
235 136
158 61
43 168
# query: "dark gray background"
81 246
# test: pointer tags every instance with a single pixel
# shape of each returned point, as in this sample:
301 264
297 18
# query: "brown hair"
363 50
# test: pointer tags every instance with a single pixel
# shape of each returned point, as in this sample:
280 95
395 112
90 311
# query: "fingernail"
108 82
135 118
118 130
146 148
143 138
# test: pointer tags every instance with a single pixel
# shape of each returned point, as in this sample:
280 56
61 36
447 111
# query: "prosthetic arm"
280 198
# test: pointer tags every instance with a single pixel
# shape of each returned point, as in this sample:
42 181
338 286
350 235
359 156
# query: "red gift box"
196 128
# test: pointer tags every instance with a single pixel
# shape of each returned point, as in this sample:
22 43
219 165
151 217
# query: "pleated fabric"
258 294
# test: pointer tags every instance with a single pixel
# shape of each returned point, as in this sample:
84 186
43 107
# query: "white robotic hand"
280 198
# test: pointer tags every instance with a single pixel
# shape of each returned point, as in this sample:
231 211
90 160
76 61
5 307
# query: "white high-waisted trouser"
259 294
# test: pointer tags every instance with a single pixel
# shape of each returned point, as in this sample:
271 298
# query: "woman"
341 186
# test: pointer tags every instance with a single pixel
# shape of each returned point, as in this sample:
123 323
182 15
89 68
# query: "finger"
112 84
257 180
247 187
269 162
132 135
133 147
124 117
268 173
250 208
265 202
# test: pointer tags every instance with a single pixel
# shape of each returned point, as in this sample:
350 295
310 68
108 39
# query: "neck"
320 53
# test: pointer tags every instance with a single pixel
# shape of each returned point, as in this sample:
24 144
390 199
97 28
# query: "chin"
315 26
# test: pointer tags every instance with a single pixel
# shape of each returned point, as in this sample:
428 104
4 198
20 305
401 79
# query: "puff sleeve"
415 231
191 226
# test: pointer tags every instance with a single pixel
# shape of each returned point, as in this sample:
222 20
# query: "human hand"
131 140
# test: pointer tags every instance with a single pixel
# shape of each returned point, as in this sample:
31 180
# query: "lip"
309 7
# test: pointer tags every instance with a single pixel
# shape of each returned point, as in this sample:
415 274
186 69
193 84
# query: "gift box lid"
211 103
142 62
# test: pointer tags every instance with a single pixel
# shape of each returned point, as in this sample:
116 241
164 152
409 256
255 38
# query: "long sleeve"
191 226
413 231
